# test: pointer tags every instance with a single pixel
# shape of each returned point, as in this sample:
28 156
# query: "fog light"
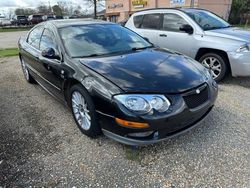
131 124
141 134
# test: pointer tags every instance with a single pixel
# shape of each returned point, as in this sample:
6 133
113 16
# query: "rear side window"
151 21
35 36
138 21
172 22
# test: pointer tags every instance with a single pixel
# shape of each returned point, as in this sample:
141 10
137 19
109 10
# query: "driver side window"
173 22
47 40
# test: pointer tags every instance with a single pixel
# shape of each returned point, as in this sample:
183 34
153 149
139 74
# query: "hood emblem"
197 91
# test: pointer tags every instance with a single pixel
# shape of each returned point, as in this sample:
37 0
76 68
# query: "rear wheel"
26 73
83 110
217 64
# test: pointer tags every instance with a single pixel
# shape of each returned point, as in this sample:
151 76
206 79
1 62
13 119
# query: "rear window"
21 17
37 16
138 21
151 21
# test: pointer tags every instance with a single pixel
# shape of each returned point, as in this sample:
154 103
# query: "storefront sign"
139 3
115 5
177 3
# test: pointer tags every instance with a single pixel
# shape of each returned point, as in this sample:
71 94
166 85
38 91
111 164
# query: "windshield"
100 39
207 20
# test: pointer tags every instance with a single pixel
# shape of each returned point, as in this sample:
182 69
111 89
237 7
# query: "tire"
26 73
216 63
83 111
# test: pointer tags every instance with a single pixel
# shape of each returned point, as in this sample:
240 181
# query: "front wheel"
84 112
217 64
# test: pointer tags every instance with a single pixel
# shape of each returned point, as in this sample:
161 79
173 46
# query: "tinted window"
35 36
21 17
173 22
87 40
138 21
47 40
151 21
37 16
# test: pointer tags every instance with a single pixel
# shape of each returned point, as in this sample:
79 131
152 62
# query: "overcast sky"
7 5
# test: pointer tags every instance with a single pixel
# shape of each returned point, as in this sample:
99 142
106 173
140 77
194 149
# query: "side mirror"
187 28
50 53
145 38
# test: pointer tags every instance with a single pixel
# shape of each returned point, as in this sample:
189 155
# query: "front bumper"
161 126
155 138
240 63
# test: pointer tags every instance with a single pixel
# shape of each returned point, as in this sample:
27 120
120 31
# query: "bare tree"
95 3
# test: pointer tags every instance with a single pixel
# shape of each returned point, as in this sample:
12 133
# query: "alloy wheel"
214 65
80 110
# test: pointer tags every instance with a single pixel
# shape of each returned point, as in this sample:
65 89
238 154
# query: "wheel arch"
67 85
203 51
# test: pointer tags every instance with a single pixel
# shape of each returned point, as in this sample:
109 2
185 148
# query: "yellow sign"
139 3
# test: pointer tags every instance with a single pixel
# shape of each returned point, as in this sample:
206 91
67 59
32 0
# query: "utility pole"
95 9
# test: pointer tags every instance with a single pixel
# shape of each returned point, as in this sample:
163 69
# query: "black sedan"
115 81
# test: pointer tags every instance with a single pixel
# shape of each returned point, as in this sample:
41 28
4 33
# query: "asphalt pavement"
9 39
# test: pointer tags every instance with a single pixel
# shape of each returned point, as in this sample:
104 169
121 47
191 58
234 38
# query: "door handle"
46 66
163 35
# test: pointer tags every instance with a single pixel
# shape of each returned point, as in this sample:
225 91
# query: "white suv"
199 34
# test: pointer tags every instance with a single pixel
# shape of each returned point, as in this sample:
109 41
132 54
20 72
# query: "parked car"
5 22
59 17
49 17
20 20
115 81
35 19
122 23
199 34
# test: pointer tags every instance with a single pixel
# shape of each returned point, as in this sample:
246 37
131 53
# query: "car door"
170 36
31 52
149 26
50 69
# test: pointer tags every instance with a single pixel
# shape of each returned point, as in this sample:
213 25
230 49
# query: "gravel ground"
9 39
40 144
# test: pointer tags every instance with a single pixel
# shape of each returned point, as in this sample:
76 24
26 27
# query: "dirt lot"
40 144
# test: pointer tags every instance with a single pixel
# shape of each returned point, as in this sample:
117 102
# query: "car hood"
231 33
149 71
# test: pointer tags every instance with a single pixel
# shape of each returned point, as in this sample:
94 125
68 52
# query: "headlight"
244 48
137 104
143 104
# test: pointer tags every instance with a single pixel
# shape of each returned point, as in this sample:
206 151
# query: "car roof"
71 22
178 9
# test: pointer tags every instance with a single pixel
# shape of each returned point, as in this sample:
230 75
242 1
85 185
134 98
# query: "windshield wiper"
141 48
91 55
212 28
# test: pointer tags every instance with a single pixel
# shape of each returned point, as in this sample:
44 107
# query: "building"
120 10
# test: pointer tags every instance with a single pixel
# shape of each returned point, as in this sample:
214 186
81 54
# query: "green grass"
8 52
14 29
243 26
